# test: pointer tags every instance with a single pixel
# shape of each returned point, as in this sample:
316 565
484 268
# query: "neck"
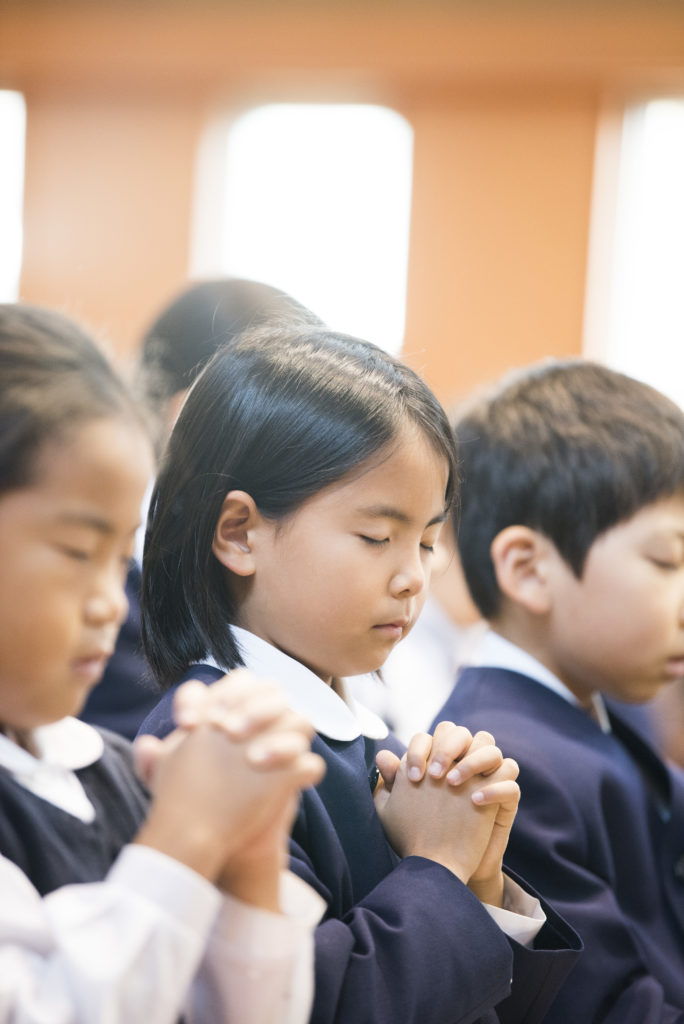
523 634
22 737
535 644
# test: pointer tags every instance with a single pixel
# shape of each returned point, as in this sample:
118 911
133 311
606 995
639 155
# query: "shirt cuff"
521 917
253 933
175 888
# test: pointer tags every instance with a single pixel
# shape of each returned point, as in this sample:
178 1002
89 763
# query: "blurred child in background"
146 934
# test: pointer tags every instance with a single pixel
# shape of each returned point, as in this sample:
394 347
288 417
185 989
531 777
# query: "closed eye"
428 547
662 564
374 541
77 553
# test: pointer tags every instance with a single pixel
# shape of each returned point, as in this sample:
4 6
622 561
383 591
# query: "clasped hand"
452 798
225 783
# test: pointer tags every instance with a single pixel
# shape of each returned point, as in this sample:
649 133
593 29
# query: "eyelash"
85 556
661 564
380 543
75 553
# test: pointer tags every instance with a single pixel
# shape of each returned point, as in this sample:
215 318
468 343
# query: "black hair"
281 415
197 322
52 377
569 448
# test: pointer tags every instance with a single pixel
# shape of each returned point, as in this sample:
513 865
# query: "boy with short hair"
572 543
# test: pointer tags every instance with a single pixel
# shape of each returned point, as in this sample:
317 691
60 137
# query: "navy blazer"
402 942
600 831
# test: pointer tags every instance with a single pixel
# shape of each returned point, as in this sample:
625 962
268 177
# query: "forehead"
661 519
105 462
410 475
666 514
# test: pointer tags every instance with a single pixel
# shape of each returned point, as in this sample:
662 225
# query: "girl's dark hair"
282 414
52 377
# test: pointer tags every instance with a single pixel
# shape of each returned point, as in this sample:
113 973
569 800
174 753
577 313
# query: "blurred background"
472 184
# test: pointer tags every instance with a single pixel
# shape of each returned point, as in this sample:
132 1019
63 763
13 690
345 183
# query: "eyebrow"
87 519
388 512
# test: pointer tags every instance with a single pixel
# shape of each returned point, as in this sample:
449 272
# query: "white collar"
62 747
337 716
494 651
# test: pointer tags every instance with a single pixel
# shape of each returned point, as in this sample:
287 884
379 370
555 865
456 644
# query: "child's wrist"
254 879
196 849
446 859
489 890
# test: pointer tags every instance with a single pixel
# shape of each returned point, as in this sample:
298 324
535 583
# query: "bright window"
315 199
645 310
12 144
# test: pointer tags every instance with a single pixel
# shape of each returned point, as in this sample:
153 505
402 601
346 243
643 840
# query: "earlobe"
520 556
232 543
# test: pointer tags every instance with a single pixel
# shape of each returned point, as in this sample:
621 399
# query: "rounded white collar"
336 715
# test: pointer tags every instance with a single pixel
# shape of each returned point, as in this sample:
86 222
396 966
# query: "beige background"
508 102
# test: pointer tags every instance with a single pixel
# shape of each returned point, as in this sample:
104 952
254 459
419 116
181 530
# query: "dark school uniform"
55 846
599 830
402 942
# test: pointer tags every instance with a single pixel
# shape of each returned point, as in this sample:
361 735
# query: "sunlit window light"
317 201
12 134
646 315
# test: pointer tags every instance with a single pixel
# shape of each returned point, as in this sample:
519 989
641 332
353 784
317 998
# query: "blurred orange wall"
505 102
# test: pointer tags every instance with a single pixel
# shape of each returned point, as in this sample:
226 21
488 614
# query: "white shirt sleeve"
521 917
259 965
113 952
126 950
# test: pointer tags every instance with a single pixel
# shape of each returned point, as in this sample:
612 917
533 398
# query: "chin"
642 693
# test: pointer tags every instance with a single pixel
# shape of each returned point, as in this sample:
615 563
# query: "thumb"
149 752
146 752
388 766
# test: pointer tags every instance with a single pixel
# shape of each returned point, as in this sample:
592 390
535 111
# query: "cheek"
636 626
419 600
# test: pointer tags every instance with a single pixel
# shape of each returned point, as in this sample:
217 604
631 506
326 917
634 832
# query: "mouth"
675 666
91 666
393 630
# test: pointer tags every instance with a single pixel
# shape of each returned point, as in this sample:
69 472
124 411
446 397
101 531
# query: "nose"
410 578
107 603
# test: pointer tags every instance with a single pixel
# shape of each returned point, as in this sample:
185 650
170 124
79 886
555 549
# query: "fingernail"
258 754
186 718
232 722
435 769
454 776
414 774
478 797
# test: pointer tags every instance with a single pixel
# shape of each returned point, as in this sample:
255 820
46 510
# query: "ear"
521 563
232 542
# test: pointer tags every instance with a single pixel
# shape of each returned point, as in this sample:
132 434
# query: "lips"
675 666
91 666
394 629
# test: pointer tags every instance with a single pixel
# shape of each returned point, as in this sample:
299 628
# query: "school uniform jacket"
402 942
600 831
